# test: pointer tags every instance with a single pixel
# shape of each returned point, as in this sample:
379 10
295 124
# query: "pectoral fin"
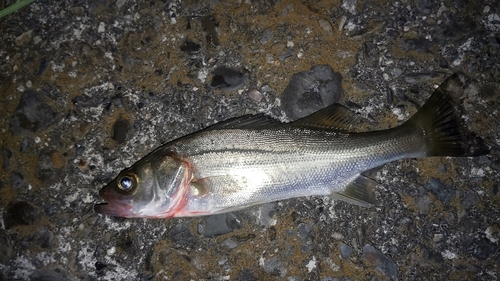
358 192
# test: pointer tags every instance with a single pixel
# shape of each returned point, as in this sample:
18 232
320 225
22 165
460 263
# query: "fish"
255 159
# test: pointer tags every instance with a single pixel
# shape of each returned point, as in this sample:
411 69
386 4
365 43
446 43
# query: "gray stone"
32 114
181 235
380 262
311 90
6 248
43 238
345 251
49 275
24 145
255 95
230 243
45 171
221 224
288 53
17 180
274 266
228 79
370 54
6 155
442 191
306 233
485 248
268 34
245 275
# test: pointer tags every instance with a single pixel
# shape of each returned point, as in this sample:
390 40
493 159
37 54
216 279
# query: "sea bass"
252 160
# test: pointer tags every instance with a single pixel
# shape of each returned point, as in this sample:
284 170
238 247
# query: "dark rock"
245 275
227 79
42 66
127 242
220 113
117 101
79 149
32 114
182 236
159 72
442 191
345 251
425 6
469 199
45 171
49 275
422 200
415 78
432 256
266 36
21 213
288 53
190 47
6 248
311 90
380 262
485 249
121 130
24 145
17 181
6 155
43 238
100 266
84 101
221 224
271 231
370 54
416 44
210 25
306 233
274 266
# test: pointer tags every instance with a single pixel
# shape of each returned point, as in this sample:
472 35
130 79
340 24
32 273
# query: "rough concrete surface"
89 87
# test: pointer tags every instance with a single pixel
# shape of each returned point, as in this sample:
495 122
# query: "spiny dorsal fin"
333 117
259 121
358 192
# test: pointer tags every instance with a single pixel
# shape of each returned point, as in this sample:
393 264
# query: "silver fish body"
273 164
253 160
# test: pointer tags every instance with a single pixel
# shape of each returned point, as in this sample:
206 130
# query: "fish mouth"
114 210
113 206
102 208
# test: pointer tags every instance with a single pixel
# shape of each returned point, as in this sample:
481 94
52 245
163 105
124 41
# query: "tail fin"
445 134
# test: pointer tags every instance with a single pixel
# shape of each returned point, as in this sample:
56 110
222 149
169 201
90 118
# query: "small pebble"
255 95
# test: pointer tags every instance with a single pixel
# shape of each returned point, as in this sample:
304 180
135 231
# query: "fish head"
154 187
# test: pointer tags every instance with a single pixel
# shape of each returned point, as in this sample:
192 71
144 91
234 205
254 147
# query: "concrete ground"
87 88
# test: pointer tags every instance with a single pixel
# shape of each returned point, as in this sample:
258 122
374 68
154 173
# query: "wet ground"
89 87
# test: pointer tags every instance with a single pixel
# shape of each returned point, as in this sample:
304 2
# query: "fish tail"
445 134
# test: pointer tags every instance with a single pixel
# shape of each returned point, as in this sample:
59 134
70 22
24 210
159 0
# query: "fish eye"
127 183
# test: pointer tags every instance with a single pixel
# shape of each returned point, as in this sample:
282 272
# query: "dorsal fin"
259 121
333 117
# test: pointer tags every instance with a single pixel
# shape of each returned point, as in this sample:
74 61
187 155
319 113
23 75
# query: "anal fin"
358 192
